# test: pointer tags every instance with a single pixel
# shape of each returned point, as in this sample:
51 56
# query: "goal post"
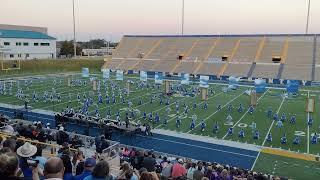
8 65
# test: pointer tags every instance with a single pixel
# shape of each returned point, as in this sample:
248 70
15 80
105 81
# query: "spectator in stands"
167 170
62 136
127 172
54 169
38 156
65 149
97 142
104 143
136 161
149 162
100 172
76 142
89 164
67 167
1 141
108 132
78 162
190 171
164 162
25 153
8 129
149 176
198 174
178 170
22 129
225 175
10 143
9 165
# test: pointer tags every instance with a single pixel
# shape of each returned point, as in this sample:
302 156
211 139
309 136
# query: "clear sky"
114 18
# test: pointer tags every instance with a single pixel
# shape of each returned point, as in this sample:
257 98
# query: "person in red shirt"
178 169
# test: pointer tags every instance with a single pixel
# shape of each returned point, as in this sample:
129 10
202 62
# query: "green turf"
288 167
271 98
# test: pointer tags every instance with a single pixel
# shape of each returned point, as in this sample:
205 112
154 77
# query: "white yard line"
308 130
245 113
265 138
217 110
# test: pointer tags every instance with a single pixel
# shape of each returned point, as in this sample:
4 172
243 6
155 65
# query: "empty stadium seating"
210 68
273 47
237 69
125 46
247 49
297 72
317 74
265 71
276 56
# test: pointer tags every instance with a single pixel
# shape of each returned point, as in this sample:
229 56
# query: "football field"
140 97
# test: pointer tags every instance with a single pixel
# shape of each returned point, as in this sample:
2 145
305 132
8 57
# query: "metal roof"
24 34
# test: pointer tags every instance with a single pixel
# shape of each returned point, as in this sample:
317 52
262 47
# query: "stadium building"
274 57
26 42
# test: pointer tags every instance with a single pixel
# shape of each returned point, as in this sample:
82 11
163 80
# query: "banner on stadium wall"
158 78
292 86
233 82
143 76
185 78
85 72
106 73
204 81
119 75
260 85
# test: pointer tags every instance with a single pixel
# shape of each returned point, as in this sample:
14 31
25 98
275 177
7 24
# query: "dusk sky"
105 18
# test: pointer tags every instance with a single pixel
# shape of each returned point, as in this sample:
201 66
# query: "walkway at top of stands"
227 35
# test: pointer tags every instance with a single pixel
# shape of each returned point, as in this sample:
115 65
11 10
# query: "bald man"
54 169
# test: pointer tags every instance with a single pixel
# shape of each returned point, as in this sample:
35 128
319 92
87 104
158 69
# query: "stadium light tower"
182 20
308 14
74 31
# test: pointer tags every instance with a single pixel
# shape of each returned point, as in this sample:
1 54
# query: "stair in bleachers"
314 54
280 71
251 69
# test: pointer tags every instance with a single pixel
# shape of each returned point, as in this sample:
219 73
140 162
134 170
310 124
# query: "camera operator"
27 163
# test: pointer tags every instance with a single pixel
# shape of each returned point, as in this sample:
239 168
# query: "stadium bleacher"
117 157
279 56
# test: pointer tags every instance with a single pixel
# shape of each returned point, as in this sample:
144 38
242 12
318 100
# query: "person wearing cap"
178 170
89 164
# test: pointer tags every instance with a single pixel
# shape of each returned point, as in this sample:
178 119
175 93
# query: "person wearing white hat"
27 150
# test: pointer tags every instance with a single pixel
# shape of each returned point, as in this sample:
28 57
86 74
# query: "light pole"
74 32
308 14
182 19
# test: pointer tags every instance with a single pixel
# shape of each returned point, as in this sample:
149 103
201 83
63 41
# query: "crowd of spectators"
164 167
23 159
